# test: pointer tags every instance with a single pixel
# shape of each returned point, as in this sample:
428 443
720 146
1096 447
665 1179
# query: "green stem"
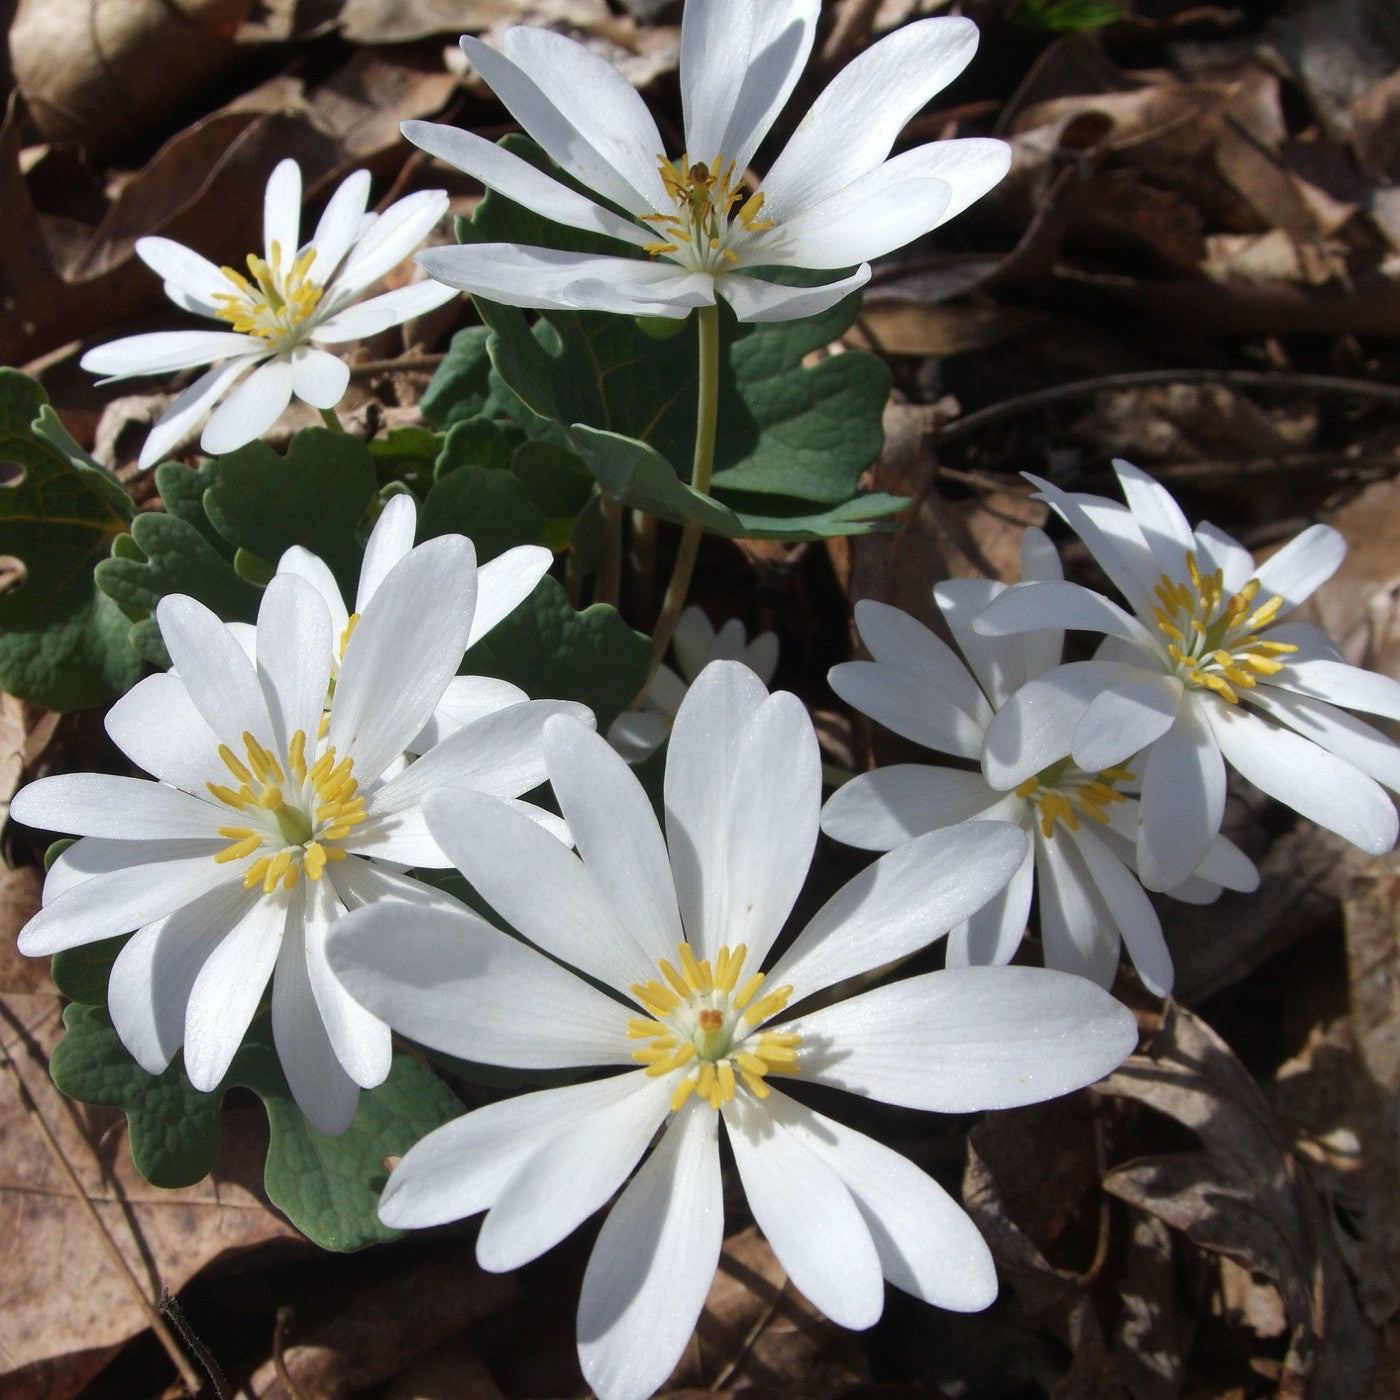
607 588
330 418
706 417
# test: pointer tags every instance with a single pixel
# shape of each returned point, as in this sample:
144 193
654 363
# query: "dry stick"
405 364
279 1354
188 1375
1152 378
728 1370
192 1339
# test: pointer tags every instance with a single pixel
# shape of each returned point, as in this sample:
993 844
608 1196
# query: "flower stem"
608 586
706 416
332 420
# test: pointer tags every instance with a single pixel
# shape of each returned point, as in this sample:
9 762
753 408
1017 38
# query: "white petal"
1028 607
294 657
652 1266
807 1214
774 808
125 809
503 583
461 1167
901 903
359 1041
853 124
253 407
1183 799
392 237
318 377
163 352
1225 866
549 278
1349 738
228 989
498 169
969 1038
466 700
926 1243
1125 719
914 704
1319 786
999 664
881 810
1131 911
1302 566
338 224
757 301
178 421
1165 529
1036 726
182 268
616 832
584 113
449 980
739 64
389 541
156 725
127 884
215 670
992 935
761 656
151 979
366 318
308 566
1217 550
700 765
323 1091
538 886
1339 684
571 1175
406 647
694 641
282 212
1078 935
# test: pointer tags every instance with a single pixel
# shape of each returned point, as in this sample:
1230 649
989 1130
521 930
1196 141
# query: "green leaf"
1068 16
328 1187
63 644
489 505
315 496
81 974
551 651
461 387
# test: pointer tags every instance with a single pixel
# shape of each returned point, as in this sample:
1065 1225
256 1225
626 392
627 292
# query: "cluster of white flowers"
305 766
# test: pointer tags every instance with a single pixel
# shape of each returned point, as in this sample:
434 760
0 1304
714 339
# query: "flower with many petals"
834 197
270 817
293 298
670 936
1207 667
638 732
1082 825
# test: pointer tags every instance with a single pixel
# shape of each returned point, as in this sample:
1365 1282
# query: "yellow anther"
768 1005
674 978
226 795
277 868
641 1029
348 632
233 765
255 872
683 1091
296 755
314 860
244 847
754 1084
747 992
724 1073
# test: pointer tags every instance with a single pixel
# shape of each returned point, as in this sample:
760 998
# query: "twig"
188 1375
1151 378
746 1346
405 364
279 1354
192 1339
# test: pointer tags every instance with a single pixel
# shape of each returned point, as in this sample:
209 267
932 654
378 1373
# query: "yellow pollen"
1062 793
704 224
1211 637
698 1023
294 821
275 302
348 633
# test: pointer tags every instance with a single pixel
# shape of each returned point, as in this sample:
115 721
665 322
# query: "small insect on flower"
293 297
675 991
696 225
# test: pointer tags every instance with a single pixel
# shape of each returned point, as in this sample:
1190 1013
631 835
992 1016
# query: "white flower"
667 936
294 294
832 199
1205 669
269 819
502 585
1082 826
639 732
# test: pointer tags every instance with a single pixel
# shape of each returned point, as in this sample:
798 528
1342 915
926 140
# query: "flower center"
704 1017
699 231
1061 792
275 302
1213 639
294 813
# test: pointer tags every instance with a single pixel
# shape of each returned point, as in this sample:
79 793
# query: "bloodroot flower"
669 937
1208 667
833 199
270 817
293 298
